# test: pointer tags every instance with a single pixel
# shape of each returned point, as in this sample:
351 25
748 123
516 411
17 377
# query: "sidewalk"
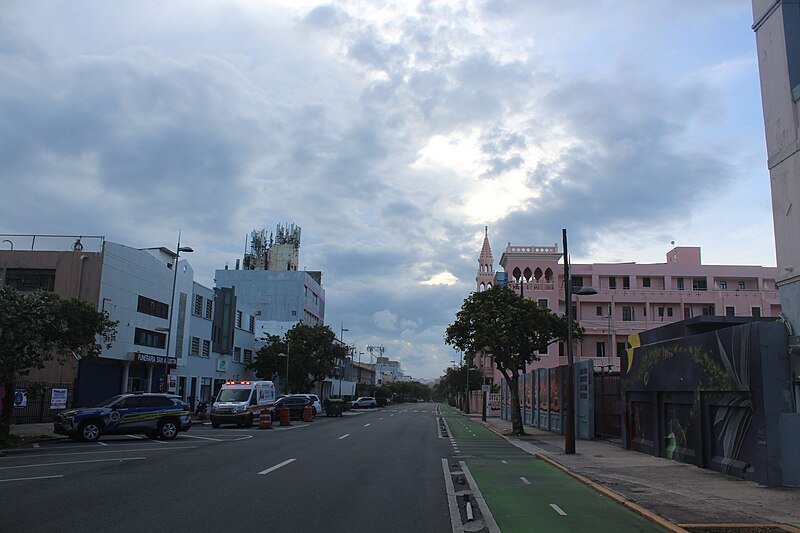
682 493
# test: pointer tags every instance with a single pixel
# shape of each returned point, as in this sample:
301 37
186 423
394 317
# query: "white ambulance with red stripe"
241 402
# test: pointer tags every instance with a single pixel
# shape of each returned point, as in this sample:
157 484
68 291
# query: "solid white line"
105 452
204 438
525 480
35 444
367 425
102 444
452 502
558 509
344 436
292 427
29 478
488 519
75 462
277 466
135 436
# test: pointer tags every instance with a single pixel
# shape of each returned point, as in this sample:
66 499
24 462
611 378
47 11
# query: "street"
376 471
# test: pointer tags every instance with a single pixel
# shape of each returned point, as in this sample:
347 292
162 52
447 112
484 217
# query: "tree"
511 329
40 327
312 351
454 381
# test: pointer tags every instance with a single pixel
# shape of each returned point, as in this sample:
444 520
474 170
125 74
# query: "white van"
241 402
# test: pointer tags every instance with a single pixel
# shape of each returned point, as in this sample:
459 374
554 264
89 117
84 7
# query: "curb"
638 509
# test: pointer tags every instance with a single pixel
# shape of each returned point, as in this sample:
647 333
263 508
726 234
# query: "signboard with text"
58 399
158 359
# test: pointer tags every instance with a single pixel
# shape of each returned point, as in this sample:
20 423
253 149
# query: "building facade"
777 27
631 298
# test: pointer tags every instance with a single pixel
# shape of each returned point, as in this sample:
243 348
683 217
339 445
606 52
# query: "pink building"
631 297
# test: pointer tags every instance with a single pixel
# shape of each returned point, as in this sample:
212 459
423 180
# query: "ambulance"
241 402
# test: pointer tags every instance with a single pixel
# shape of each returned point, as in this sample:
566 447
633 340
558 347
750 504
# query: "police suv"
154 415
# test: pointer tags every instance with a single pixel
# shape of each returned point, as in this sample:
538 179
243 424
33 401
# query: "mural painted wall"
708 392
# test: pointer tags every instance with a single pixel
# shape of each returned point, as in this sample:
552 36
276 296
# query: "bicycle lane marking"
517 506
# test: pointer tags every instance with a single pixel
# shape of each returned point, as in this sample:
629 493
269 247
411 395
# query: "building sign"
58 399
159 359
222 365
172 383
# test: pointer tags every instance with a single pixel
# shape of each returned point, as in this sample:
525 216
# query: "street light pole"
178 250
483 386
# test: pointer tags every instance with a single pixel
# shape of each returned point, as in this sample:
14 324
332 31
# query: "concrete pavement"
681 493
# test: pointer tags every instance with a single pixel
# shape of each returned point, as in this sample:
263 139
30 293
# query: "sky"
392 133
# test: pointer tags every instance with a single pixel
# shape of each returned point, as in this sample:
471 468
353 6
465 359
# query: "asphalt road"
376 471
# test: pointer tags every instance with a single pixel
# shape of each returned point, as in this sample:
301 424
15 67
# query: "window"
239 319
152 307
237 354
723 285
248 356
709 310
741 285
294 312
661 312
645 282
574 312
198 305
153 339
206 348
699 284
561 349
252 328
755 312
679 281
791 32
669 311
209 308
31 279
687 313
577 282
601 349
194 349
644 311
627 313
543 303
626 282
612 283
730 310
599 310
621 349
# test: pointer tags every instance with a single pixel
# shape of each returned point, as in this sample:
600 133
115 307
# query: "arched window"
527 275
538 274
517 274
488 285
482 287
548 275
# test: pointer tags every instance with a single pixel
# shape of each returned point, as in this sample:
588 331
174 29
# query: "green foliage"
402 391
312 351
42 326
511 329
454 382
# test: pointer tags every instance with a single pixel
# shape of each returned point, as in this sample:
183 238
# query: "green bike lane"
525 493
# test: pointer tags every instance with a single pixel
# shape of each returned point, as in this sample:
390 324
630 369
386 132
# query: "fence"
34 401
608 406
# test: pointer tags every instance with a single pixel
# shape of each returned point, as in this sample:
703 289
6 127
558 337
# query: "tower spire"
485 277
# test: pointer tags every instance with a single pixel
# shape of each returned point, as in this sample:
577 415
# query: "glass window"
601 349
195 347
151 307
153 339
248 356
699 284
687 313
755 312
669 311
543 303
791 31
645 282
198 305
723 285
31 279
626 282
209 308
612 283
741 285
730 310
238 319
627 313
660 311
679 282
206 348
599 310
252 328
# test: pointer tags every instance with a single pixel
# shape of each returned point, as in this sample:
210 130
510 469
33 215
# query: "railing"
532 249
78 243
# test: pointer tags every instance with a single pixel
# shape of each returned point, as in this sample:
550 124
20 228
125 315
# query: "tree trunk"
8 408
516 412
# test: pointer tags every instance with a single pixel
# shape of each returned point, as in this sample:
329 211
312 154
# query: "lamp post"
569 432
483 386
178 250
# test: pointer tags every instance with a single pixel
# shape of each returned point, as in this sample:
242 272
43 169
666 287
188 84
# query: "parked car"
296 405
154 415
314 398
365 401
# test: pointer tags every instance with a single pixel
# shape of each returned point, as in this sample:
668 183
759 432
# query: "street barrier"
265 420
308 415
285 419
